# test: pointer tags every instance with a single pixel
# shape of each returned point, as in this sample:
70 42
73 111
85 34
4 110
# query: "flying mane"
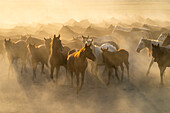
80 52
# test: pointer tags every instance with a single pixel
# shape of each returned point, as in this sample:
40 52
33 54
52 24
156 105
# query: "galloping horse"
77 63
163 40
115 59
147 43
17 50
58 56
161 56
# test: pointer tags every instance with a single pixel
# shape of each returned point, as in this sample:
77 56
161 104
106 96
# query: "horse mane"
78 54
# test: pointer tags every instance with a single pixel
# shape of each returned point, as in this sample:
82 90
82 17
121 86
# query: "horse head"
88 52
7 43
47 42
104 53
141 45
56 43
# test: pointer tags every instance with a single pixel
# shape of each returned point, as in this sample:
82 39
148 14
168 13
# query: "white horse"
147 43
98 54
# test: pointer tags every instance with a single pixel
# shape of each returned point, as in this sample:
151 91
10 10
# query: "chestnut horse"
77 62
58 56
115 59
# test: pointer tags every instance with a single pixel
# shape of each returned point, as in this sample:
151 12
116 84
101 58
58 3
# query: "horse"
77 62
115 59
163 40
16 50
98 54
39 54
147 43
161 56
58 56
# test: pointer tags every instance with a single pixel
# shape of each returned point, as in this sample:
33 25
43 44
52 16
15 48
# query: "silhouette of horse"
115 59
161 56
39 54
16 50
58 56
77 62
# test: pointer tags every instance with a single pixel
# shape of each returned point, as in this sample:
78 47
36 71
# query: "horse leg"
149 67
92 67
77 76
122 69
116 73
42 68
57 71
105 69
34 69
96 70
52 70
127 67
162 69
82 80
109 75
72 79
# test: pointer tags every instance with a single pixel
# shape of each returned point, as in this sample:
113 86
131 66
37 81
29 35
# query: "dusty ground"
141 94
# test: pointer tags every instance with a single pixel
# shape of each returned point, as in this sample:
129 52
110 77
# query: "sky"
47 11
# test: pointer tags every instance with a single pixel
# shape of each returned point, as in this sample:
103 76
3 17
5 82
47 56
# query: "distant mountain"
70 22
83 23
67 33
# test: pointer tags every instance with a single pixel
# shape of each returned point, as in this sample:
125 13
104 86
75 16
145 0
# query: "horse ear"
59 36
9 39
45 38
5 39
86 45
152 45
101 49
107 49
158 45
54 36
88 37
83 37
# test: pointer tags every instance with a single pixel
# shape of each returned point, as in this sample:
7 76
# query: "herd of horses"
53 55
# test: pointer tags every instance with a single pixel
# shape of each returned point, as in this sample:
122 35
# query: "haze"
42 11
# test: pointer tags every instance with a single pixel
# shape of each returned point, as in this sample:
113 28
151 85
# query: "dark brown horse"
115 59
77 63
16 50
58 56
161 55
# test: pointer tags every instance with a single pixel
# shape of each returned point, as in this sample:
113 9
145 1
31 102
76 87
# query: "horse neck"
55 51
82 56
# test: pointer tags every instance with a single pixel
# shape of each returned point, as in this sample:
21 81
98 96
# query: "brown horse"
58 56
115 59
77 62
161 56
17 50
40 54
